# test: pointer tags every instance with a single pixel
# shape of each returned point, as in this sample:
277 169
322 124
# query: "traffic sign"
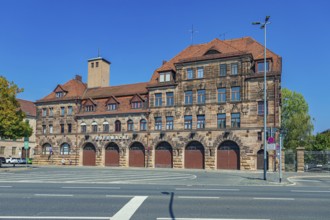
271 140
271 146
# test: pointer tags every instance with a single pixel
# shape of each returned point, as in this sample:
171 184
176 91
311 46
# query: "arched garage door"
228 156
164 155
89 155
112 155
194 156
260 160
136 155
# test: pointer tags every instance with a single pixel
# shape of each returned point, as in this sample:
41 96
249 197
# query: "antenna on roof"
224 35
98 52
192 31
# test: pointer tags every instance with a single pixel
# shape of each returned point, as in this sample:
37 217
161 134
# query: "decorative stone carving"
244 109
235 108
200 110
221 109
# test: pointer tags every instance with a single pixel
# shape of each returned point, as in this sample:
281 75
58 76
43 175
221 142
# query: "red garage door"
194 156
136 155
112 155
228 156
164 155
89 155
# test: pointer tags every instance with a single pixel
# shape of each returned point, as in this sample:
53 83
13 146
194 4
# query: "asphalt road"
55 193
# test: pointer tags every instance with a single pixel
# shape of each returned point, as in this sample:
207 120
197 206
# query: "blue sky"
46 42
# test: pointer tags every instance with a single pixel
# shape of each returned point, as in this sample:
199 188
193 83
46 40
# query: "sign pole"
280 154
26 147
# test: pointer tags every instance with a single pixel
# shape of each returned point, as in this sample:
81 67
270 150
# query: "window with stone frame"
83 128
188 97
261 108
50 129
94 127
158 123
221 95
169 123
143 125
44 112
235 94
106 127
130 125
201 96
69 128
62 128
190 73
200 72
221 120
169 99
235 120
44 131
117 126
200 121
51 112
70 110
187 122
234 68
65 149
158 99
223 69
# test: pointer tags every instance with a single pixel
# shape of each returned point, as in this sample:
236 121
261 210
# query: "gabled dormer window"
136 105
59 94
165 77
89 108
112 106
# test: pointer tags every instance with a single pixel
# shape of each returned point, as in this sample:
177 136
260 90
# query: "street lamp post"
264 26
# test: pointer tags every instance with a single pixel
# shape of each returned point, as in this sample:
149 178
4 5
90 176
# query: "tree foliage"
296 120
12 124
320 142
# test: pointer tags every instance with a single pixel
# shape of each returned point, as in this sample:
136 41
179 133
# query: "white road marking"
302 180
310 191
52 217
196 189
54 195
130 208
207 219
5 186
198 197
282 199
83 187
118 196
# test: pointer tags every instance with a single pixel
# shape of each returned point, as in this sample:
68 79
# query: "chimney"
79 78
164 61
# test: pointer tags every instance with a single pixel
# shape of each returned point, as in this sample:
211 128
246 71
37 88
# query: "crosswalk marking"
130 208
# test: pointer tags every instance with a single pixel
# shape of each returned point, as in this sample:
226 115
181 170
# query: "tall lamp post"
263 25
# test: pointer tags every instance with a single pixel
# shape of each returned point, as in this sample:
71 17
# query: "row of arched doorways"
228 155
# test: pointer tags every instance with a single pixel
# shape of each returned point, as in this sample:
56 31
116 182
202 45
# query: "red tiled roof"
246 45
123 107
116 91
28 107
75 89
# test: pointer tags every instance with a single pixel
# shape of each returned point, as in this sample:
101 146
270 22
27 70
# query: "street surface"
159 194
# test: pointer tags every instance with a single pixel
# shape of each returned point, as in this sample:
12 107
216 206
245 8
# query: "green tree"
12 124
320 142
296 120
